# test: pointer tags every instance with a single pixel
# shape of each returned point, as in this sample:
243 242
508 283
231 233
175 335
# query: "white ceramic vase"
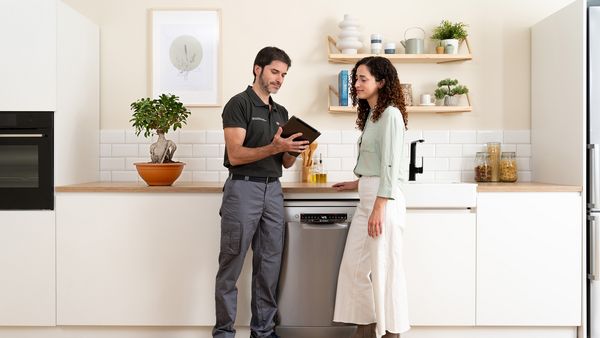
348 41
451 42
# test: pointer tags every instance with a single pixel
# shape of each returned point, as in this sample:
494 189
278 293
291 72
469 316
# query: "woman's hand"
352 185
375 225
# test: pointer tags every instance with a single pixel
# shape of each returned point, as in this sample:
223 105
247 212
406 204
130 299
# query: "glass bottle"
493 149
483 170
322 174
314 172
508 167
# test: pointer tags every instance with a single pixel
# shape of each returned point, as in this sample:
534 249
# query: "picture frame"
184 56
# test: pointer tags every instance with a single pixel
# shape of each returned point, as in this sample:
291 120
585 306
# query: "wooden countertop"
527 187
294 187
195 187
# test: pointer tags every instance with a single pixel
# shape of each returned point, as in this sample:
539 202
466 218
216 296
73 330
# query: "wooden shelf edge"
402 58
411 109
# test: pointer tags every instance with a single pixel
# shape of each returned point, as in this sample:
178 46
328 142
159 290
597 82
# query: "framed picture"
185 55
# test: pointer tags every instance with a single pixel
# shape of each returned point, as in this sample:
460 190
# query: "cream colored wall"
498 77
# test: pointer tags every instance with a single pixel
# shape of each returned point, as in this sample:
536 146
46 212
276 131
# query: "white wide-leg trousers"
371 284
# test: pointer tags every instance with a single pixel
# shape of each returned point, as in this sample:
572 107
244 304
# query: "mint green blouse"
381 148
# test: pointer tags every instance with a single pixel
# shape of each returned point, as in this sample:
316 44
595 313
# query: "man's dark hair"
269 54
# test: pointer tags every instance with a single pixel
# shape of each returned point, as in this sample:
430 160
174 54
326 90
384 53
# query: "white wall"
498 76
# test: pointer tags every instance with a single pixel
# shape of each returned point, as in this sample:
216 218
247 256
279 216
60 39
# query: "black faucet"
412 168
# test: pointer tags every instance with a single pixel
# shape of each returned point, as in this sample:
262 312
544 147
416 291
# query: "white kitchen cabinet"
28 58
529 259
439 248
27 283
140 259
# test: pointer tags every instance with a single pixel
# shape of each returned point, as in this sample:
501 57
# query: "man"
252 207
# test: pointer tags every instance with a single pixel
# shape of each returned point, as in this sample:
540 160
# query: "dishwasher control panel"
323 218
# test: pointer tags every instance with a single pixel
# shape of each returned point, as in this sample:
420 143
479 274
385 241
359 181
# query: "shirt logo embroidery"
258 119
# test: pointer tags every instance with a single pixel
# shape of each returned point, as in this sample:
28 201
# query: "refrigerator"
593 181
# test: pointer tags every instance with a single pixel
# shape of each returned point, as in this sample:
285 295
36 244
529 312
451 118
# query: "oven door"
26 169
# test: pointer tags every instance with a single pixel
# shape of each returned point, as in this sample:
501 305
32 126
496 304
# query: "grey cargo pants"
251 214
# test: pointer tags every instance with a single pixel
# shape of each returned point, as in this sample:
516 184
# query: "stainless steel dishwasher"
315 237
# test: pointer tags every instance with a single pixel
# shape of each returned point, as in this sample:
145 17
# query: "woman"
371 289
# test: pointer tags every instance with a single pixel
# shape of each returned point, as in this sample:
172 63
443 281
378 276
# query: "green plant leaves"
159 114
449 87
448 30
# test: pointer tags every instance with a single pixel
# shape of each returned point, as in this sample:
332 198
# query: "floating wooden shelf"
336 57
409 109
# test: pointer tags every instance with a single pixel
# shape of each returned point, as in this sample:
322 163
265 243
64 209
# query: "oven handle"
21 135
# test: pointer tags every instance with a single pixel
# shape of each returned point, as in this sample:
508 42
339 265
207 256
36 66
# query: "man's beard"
264 85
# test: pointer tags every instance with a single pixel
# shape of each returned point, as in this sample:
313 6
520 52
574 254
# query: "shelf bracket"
332 42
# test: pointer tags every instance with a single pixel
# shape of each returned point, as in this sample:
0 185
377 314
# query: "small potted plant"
450 34
158 116
448 89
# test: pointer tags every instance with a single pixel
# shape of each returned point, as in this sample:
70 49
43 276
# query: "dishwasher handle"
332 226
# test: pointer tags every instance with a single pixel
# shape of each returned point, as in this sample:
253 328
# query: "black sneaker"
272 335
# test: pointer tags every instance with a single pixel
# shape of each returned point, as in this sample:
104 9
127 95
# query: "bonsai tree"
448 30
447 89
159 115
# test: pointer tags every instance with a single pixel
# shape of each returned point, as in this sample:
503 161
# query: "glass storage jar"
508 167
493 149
483 170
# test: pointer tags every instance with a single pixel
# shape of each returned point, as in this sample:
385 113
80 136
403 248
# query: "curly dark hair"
389 95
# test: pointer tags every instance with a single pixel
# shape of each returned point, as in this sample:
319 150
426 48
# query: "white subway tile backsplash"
448 155
350 136
425 150
144 150
447 176
517 136
330 136
524 163
436 136
185 177
105 176
196 164
341 150
205 176
105 150
471 149
463 136
215 136
411 135
448 150
184 151
485 136
124 150
130 137
206 150
348 163
107 163
125 176
214 164
194 136
109 136
508 147
332 164
523 150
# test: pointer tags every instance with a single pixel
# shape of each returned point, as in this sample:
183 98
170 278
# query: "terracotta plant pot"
159 173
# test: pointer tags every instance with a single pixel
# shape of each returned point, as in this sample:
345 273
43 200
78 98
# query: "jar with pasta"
483 170
493 149
508 167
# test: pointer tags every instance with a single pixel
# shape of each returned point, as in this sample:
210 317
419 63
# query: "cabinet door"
440 267
27 287
529 259
140 259
28 61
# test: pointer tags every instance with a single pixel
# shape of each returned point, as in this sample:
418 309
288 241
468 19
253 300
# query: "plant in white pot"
158 116
448 90
450 34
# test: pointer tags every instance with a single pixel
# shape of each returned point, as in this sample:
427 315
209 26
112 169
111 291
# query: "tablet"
296 125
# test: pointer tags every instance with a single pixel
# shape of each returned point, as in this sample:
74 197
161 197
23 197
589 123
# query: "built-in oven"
26 160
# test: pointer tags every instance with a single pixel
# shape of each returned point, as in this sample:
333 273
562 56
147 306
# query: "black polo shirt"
246 110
